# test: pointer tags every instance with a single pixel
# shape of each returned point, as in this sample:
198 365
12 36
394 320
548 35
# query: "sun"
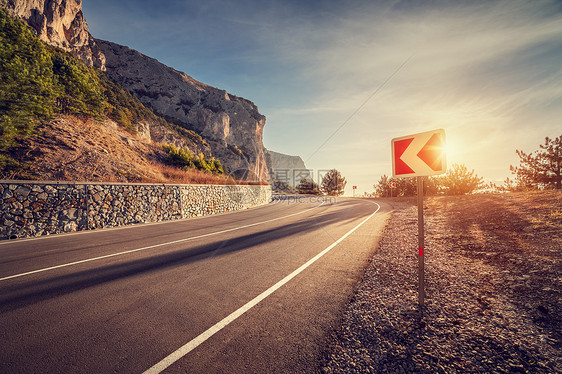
452 149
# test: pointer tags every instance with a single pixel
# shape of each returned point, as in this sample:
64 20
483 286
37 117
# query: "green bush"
79 89
185 159
27 83
179 157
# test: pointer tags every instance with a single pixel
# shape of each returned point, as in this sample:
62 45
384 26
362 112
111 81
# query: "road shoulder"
476 318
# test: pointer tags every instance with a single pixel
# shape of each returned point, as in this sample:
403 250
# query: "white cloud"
476 70
482 67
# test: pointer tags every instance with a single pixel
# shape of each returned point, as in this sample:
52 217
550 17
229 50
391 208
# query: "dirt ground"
493 290
72 149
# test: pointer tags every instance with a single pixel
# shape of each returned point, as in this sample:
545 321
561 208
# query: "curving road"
255 291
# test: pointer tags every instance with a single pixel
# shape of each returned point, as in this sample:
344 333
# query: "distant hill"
276 160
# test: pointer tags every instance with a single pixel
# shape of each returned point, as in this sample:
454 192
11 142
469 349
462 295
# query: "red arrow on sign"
400 147
432 152
419 154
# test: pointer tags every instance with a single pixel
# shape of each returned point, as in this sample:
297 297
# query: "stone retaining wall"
31 208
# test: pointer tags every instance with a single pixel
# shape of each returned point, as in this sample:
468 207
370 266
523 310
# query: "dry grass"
172 174
73 149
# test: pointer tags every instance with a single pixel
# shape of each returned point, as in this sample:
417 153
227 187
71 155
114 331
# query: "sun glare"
452 148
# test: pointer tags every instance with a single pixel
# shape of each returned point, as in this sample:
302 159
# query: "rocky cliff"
59 23
230 124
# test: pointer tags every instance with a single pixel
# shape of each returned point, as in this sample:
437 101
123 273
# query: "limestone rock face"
231 125
60 23
276 160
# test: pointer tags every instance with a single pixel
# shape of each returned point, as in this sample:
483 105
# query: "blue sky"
489 72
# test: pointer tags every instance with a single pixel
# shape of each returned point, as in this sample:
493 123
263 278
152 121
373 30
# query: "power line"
380 87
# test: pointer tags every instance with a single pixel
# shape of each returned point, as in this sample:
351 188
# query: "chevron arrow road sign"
419 155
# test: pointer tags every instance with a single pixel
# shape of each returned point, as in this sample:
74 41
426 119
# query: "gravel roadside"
493 291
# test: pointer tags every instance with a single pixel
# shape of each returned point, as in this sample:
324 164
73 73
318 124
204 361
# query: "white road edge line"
191 345
152 246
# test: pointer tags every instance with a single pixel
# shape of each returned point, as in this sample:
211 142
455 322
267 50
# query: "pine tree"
382 187
459 181
541 168
333 184
308 186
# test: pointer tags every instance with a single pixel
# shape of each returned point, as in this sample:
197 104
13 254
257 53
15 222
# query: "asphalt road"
255 291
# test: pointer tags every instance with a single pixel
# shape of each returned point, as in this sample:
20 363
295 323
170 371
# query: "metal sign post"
419 155
421 288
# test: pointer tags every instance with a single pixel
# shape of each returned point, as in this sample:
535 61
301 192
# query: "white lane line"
191 345
153 246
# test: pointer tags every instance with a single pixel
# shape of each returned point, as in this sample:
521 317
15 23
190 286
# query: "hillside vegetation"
38 81
40 84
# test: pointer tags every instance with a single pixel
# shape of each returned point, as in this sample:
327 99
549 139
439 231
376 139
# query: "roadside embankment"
493 291
32 208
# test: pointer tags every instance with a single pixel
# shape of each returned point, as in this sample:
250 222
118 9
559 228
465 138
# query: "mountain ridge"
231 126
